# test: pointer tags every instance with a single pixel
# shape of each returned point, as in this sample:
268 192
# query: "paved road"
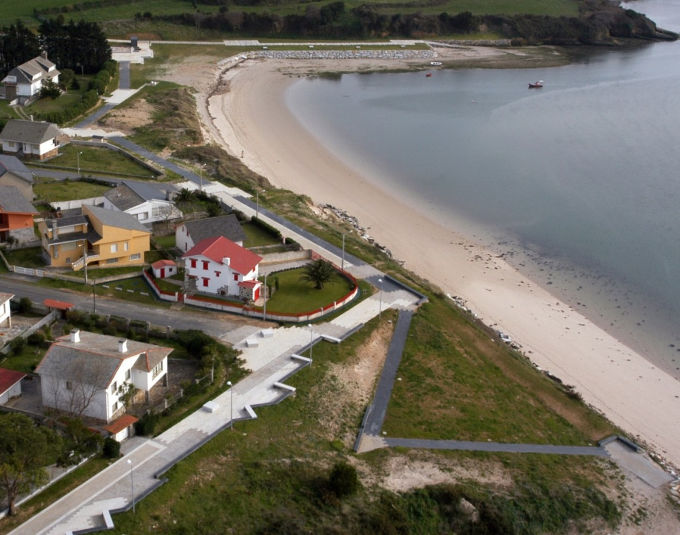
124 75
106 108
376 411
188 175
463 445
215 324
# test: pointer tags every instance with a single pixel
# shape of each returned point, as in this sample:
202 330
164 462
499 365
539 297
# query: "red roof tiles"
216 249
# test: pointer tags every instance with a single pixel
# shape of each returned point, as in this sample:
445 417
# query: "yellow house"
100 237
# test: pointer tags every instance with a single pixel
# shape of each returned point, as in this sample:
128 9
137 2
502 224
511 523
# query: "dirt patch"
351 384
126 119
404 473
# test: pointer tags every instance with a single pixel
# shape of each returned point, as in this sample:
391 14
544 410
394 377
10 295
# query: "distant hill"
525 21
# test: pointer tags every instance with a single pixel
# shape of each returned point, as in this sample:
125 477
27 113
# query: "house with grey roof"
23 83
30 139
147 202
90 374
13 172
16 216
189 233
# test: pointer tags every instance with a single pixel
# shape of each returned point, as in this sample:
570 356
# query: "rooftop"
8 378
15 166
29 131
225 225
11 200
113 218
218 248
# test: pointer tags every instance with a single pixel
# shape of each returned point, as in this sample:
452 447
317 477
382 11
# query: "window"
158 368
235 276
206 280
135 256
114 407
114 387
127 375
114 247
140 217
112 261
193 262
125 246
69 385
205 265
218 273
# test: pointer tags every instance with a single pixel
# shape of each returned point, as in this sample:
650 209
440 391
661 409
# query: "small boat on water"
536 85
428 74
435 63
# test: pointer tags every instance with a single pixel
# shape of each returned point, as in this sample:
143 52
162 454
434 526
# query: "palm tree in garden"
318 272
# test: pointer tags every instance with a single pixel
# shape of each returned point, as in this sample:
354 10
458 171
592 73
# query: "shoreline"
250 117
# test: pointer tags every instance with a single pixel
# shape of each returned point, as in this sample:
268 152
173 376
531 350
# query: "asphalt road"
214 324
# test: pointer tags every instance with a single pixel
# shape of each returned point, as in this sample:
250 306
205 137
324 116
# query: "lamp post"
311 336
94 297
257 204
78 159
132 486
231 404
380 308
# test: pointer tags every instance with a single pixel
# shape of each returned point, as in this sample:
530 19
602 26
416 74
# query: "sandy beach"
249 117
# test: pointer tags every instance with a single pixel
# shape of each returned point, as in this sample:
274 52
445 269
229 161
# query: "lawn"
257 236
164 242
51 190
6 112
98 160
30 257
459 383
297 296
26 360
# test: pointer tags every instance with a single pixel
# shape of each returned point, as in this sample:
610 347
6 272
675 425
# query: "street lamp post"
78 159
257 204
380 308
343 252
132 486
231 404
94 297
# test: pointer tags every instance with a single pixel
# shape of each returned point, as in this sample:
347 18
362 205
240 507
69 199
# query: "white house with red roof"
10 384
222 267
164 268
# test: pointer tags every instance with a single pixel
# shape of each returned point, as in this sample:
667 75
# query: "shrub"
17 345
111 449
343 480
36 339
146 424
25 305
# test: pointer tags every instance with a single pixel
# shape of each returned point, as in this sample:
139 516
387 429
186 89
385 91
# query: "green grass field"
52 190
98 160
295 295
256 236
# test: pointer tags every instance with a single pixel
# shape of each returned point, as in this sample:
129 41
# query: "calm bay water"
581 175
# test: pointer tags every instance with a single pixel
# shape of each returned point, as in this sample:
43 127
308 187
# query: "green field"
52 190
98 160
257 236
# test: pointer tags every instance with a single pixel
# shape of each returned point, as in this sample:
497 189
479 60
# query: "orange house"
16 215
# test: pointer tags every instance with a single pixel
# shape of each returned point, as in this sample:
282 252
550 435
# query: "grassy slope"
98 160
65 190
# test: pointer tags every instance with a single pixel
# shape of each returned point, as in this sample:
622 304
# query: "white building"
5 312
31 139
25 81
89 374
10 384
223 267
190 233
147 202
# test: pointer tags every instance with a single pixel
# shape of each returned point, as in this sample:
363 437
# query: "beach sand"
249 117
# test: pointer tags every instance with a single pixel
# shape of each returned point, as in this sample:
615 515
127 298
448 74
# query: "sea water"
577 183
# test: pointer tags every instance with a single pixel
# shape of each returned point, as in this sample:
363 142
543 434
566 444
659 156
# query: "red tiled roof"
163 263
121 423
8 378
249 284
60 305
241 260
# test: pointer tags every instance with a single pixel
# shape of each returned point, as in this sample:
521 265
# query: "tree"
318 272
86 377
25 449
18 44
343 480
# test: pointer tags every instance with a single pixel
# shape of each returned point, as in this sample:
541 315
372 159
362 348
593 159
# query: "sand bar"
250 119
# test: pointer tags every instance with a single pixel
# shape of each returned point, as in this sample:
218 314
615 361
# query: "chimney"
75 336
122 346
226 260
43 54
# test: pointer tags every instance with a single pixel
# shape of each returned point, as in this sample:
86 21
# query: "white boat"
435 63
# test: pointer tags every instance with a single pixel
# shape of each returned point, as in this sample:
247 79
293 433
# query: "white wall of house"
165 271
183 239
12 392
5 315
10 146
106 403
30 148
149 211
47 146
213 277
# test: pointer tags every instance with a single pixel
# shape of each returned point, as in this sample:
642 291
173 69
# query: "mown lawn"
257 236
51 190
456 382
297 296
165 242
31 257
98 160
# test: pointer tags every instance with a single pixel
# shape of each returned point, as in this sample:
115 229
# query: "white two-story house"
90 374
23 83
222 267
147 202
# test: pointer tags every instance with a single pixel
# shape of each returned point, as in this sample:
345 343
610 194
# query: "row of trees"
80 46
